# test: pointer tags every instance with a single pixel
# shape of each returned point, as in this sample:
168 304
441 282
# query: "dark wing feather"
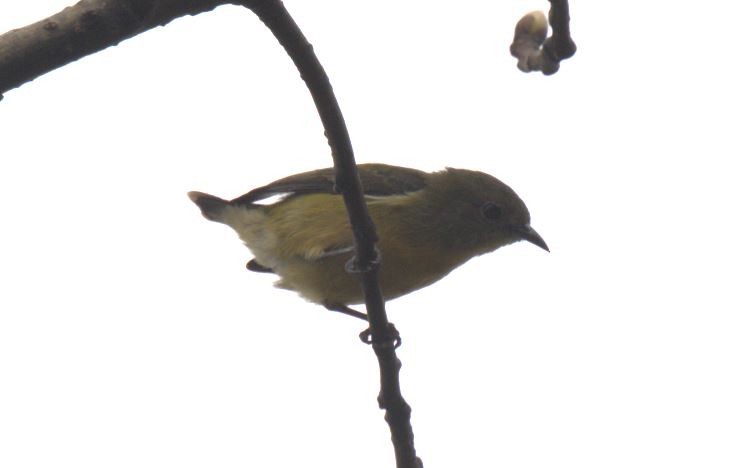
377 180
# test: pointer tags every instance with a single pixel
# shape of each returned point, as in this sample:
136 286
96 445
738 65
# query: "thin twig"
531 46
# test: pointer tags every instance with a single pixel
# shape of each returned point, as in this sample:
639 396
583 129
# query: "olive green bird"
427 224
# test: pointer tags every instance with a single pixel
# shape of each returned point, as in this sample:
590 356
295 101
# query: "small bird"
427 224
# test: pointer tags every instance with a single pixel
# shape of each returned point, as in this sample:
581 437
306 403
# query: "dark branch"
367 260
82 29
531 46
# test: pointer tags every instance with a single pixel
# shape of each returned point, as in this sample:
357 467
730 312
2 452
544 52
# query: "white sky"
132 335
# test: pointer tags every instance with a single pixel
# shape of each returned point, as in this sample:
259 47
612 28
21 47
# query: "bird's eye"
491 211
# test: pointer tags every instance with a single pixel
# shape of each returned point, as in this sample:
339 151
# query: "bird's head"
476 212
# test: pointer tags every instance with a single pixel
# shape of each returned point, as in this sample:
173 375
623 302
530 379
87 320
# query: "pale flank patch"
309 294
250 225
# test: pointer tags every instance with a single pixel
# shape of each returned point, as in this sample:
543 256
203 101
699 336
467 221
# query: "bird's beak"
528 233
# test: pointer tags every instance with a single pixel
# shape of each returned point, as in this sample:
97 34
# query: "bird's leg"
366 335
346 310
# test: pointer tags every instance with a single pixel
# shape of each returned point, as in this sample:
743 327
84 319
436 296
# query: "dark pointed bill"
528 233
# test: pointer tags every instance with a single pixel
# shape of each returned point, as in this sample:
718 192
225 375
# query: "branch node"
397 406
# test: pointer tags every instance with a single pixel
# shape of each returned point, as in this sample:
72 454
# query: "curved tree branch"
367 260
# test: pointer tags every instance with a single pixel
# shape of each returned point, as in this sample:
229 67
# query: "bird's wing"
377 180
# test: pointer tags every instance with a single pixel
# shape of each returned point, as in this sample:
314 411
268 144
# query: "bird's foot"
392 336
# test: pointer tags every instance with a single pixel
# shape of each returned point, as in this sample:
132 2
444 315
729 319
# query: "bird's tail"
213 208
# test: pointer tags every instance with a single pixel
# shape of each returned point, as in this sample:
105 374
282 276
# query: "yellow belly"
295 238
325 280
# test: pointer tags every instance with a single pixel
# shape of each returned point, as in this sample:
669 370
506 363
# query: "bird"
427 223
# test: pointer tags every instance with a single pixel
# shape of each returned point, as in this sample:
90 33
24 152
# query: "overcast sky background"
132 335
